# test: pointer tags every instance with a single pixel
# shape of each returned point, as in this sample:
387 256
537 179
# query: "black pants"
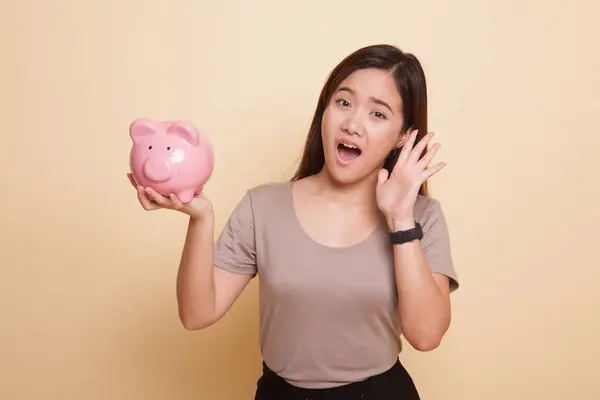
393 384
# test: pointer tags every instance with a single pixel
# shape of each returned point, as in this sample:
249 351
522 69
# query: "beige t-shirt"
328 316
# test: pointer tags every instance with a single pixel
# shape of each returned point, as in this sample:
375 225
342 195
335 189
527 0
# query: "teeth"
348 146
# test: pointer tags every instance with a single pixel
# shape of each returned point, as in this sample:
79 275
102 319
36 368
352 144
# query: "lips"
347 151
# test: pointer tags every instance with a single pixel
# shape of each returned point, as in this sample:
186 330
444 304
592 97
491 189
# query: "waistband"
272 382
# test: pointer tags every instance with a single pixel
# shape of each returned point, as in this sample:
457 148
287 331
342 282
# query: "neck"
361 194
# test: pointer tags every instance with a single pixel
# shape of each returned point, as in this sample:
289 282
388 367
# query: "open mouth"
348 152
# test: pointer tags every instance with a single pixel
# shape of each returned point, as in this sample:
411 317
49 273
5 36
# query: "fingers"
415 154
412 153
424 162
171 202
152 200
131 180
141 194
410 157
145 200
407 147
429 172
157 198
176 204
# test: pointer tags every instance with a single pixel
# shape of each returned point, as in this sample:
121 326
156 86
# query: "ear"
185 130
141 128
402 139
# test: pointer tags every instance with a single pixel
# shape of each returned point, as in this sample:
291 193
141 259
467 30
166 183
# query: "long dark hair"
410 81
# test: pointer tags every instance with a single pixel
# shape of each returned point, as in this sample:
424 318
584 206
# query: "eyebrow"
374 99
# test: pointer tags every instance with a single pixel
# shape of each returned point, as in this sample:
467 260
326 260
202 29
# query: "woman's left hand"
396 194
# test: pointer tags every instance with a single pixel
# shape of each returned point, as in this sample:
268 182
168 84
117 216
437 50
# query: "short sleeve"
235 249
436 243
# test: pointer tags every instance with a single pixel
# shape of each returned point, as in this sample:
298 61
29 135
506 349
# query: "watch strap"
400 237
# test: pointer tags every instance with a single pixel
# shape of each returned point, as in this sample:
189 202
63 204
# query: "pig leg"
185 196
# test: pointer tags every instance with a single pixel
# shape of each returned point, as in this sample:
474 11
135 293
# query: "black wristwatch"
400 237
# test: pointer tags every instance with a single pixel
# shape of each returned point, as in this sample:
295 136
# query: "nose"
353 124
158 169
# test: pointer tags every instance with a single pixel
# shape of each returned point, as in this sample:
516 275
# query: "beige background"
87 277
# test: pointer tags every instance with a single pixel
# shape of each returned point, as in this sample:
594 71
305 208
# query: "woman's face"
361 125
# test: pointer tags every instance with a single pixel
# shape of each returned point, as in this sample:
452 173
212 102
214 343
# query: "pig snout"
158 169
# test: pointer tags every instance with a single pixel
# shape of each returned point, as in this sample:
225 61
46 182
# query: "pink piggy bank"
170 157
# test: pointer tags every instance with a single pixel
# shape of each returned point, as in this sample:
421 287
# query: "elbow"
426 336
424 340
425 344
193 323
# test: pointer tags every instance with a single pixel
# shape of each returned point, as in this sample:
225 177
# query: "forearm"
195 279
424 308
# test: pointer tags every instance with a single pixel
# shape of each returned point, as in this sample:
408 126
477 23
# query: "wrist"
396 223
201 219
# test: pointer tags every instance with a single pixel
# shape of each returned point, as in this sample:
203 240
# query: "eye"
343 103
149 147
378 115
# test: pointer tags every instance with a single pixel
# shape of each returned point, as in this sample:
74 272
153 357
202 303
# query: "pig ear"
141 128
185 130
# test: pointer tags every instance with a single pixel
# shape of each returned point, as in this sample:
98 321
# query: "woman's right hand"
199 208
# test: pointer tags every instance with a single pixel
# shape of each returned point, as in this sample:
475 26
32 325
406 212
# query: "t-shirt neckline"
300 229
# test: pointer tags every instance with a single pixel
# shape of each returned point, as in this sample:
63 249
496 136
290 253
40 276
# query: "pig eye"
149 147
169 148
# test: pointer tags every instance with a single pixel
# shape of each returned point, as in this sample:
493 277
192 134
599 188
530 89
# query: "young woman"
352 253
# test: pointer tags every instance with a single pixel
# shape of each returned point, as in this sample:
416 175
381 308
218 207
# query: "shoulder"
257 204
428 211
265 198
268 192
